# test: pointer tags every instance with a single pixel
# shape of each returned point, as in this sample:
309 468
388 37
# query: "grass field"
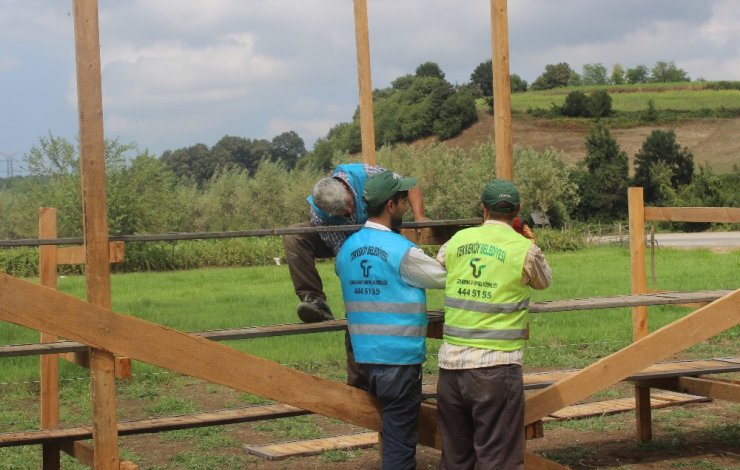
228 298
237 297
634 98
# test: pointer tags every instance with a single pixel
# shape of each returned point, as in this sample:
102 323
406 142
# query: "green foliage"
603 177
678 166
555 75
618 76
430 69
456 113
576 104
482 78
594 74
518 85
545 180
651 113
668 72
639 74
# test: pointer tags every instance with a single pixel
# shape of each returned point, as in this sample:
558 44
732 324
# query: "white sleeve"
420 270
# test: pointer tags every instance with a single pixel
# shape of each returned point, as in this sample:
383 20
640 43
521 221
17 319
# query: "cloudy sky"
179 72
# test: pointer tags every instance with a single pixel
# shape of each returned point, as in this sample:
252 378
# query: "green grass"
634 98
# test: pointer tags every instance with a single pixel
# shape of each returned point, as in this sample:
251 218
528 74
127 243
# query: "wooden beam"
535 462
95 223
76 254
501 90
729 215
49 364
714 388
677 336
32 306
85 454
636 211
367 121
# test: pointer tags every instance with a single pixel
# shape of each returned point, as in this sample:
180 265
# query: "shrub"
577 104
600 104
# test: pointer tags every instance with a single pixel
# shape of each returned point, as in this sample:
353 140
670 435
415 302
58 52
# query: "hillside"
714 141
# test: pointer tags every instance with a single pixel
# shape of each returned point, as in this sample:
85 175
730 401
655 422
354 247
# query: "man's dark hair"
503 211
376 211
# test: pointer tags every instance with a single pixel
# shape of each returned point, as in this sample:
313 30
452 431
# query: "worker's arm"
416 201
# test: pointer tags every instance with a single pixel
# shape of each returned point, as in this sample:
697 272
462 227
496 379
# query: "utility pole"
9 159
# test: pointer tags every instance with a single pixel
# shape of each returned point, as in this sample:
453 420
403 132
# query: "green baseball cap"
382 186
500 190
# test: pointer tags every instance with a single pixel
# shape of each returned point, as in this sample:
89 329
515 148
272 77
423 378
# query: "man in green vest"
480 393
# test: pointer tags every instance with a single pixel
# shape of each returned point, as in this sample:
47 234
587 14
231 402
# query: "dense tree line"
562 75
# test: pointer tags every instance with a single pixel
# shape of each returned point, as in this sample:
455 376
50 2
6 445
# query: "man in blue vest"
383 277
480 392
335 200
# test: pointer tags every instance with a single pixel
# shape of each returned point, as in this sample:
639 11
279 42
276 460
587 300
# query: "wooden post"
636 205
97 269
49 363
367 122
501 90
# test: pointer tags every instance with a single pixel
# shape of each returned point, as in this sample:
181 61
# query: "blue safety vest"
386 317
357 176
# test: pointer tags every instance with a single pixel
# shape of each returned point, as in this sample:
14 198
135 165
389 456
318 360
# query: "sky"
180 72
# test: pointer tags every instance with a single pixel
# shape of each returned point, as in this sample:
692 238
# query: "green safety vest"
485 303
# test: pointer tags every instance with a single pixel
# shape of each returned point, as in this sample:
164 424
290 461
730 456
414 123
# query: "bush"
577 104
600 104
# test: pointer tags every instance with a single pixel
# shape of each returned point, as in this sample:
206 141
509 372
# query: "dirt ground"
713 141
705 435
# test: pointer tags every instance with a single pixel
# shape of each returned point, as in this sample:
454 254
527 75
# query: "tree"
664 72
603 184
600 104
618 75
517 84
456 113
594 74
482 78
661 147
555 75
429 69
288 147
638 74
192 162
576 104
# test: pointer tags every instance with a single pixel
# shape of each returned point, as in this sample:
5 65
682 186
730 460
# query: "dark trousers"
301 251
480 415
399 390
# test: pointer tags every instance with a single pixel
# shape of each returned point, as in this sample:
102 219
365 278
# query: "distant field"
635 98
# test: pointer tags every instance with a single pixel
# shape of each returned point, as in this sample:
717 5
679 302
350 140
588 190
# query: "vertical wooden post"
95 223
639 314
367 121
49 363
501 90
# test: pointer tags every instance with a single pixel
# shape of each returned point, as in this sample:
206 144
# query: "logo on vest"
365 268
477 270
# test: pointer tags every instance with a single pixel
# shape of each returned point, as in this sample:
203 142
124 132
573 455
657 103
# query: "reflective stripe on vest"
386 330
485 307
485 334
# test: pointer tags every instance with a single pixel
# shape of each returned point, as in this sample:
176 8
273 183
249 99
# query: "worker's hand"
421 219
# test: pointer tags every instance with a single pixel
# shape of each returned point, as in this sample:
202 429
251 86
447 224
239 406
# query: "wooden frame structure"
107 334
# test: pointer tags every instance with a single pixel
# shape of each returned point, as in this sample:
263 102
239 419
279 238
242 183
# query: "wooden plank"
677 336
621 405
153 425
85 454
49 364
308 447
95 223
31 306
367 121
434 317
76 254
636 210
694 214
501 90
708 387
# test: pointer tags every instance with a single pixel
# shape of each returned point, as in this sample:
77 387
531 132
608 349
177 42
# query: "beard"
396 221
